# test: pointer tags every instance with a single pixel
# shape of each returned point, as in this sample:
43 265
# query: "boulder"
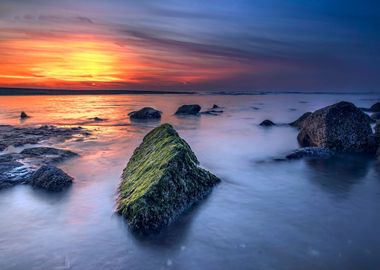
310 152
341 127
267 123
375 107
50 178
146 113
192 109
161 180
23 115
375 116
300 121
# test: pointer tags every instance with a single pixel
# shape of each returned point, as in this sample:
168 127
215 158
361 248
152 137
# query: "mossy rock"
162 179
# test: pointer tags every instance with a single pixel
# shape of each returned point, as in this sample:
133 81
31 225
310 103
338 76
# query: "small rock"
267 123
50 178
97 119
146 113
192 109
310 152
23 115
215 106
300 121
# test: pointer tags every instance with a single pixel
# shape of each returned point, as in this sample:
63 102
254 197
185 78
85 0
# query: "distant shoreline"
57 92
65 92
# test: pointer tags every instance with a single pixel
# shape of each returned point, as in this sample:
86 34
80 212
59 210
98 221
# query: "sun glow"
67 61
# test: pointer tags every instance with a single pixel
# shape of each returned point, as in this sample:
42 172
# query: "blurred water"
264 215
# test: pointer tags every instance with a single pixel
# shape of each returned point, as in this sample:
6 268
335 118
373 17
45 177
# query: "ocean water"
263 215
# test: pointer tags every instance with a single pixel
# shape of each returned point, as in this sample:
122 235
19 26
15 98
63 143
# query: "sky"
198 45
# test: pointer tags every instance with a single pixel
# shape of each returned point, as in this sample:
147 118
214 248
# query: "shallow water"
264 214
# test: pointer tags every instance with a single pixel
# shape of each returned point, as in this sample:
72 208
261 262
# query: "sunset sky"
216 45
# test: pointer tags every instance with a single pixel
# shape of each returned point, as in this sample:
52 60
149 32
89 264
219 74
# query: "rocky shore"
21 167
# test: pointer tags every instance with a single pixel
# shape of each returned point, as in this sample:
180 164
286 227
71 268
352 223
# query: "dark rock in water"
23 115
215 110
162 179
300 121
48 154
146 113
375 116
12 173
97 119
310 152
192 109
50 178
267 123
341 127
375 107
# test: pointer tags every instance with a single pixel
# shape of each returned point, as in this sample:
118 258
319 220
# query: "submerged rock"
19 136
341 127
23 115
215 110
162 179
310 152
146 113
12 172
51 178
192 109
267 123
48 154
300 121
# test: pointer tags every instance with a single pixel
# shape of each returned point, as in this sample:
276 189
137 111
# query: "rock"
375 107
377 128
12 172
192 109
310 152
375 116
161 180
267 123
23 115
300 121
215 106
146 113
341 127
48 154
50 178
97 119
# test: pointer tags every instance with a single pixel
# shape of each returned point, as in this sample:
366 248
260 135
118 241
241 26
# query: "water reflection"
340 174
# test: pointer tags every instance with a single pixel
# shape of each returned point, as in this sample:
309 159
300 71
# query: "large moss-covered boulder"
161 180
341 127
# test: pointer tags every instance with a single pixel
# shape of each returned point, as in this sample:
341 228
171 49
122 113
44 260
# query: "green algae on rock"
162 179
